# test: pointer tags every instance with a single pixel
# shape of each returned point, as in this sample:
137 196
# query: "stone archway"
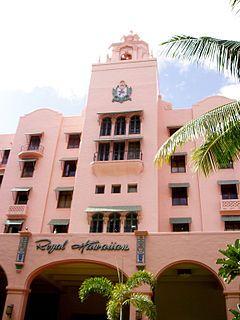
187 291
3 292
54 292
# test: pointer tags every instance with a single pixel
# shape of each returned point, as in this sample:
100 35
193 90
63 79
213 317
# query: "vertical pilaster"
16 300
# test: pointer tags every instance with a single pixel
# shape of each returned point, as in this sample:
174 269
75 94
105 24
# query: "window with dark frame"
103 151
134 148
64 199
100 189
73 141
173 130
114 223
118 150
180 227
97 223
13 228
1 179
120 126
179 196
229 191
5 157
135 125
106 127
22 197
34 142
69 169
28 169
60 228
116 188
131 222
232 225
178 164
132 188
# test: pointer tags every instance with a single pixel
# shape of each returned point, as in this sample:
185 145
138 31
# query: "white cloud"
230 91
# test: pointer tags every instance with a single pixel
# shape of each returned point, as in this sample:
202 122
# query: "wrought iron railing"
116 156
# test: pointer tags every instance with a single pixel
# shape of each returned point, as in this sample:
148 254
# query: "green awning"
69 159
179 185
180 220
119 138
114 209
17 189
230 218
222 182
59 222
27 160
13 222
58 189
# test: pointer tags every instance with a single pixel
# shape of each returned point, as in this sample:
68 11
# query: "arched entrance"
3 293
54 293
187 291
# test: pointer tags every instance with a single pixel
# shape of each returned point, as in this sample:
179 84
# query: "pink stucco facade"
119 164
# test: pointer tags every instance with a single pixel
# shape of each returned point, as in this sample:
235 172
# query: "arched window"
126 56
97 223
114 223
120 126
134 125
131 222
106 127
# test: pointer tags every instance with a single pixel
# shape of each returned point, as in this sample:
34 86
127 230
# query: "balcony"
31 151
121 163
17 211
230 206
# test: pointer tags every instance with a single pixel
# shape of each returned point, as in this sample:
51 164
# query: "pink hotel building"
80 196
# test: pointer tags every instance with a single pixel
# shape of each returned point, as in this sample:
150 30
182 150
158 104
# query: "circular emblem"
121 93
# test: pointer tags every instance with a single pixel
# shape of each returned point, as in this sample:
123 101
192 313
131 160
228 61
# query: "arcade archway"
187 291
3 293
54 293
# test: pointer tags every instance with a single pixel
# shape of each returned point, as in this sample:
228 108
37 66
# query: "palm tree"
220 127
121 294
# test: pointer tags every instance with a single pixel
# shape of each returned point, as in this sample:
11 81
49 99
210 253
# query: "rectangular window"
64 199
13 228
28 169
69 169
22 197
180 227
118 150
60 228
5 156
173 130
229 191
1 179
100 189
103 151
116 188
132 188
134 150
34 142
232 225
73 141
179 196
178 164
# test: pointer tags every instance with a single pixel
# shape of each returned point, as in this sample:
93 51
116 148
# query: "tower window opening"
126 56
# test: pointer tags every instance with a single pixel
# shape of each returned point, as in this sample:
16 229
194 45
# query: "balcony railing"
230 204
17 209
118 156
29 150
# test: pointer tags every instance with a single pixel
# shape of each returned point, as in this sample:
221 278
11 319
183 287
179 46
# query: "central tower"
116 184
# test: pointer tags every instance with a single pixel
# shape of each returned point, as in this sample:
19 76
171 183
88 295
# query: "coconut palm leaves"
121 294
235 4
230 268
220 131
224 55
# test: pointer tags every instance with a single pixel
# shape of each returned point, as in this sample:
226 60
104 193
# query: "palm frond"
217 150
139 278
235 4
143 304
214 122
224 55
113 309
99 285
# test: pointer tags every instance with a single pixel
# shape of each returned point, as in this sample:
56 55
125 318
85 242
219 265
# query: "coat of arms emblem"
122 92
